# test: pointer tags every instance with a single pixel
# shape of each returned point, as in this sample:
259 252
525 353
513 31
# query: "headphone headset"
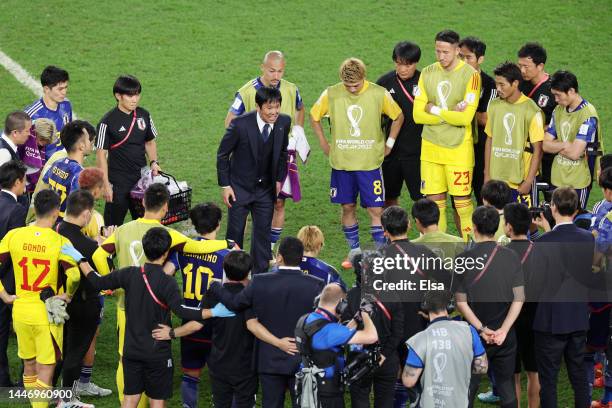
340 307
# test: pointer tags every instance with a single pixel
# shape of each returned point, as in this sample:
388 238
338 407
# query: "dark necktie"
265 134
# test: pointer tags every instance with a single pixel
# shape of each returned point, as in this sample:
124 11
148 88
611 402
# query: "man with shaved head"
272 71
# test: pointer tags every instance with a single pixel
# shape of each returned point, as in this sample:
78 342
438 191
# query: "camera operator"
443 355
320 337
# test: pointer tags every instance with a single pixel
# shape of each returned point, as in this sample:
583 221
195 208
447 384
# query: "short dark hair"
426 211
91 130
16 121
267 94
565 200
486 220
448 36
237 265
605 161
45 202
205 217
563 81
156 242
127 85
155 196
435 301
508 70
533 50
395 220
517 215
406 52
53 75
605 178
475 45
79 201
10 172
292 250
71 133
497 193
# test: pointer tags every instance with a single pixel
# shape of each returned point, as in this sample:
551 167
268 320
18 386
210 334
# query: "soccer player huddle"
446 130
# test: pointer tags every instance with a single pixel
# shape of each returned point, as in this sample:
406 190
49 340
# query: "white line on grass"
22 76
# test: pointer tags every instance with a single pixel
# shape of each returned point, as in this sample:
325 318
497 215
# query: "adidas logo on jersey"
122 129
378 199
392 91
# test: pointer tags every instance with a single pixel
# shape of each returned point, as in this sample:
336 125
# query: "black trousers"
240 391
478 173
383 379
274 387
6 316
550 348
79 331
114 213
261 209
502 360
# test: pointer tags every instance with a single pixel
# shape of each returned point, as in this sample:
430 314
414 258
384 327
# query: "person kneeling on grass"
150 295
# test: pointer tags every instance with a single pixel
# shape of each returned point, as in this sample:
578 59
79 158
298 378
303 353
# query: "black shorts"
154 378
397 172
194 354
525 340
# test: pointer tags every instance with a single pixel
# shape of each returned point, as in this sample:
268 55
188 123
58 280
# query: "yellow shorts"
36 341
441 178
120 329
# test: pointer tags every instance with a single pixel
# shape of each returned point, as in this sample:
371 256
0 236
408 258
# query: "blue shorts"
194 352
530 200
345 185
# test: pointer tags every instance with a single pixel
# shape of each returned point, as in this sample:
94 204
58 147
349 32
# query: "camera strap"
416 268
480 275
527 252
146 281
384 309
128 133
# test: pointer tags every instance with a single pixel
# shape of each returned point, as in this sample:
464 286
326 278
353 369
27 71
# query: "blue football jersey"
316 267
60 117
63 178
198 272
600 210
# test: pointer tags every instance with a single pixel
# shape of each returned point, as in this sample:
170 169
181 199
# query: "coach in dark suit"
12 215
562 316
251 164
277 300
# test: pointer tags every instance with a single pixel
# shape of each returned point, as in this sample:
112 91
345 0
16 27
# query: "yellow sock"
42 386
465 208
442 207
119 379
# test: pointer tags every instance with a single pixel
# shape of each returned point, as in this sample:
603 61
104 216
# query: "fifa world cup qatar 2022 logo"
509 120
444 90
354 114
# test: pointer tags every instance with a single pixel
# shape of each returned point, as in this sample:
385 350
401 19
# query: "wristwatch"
172 335
153 161
482 329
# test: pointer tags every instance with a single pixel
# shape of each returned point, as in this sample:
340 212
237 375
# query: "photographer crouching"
320 339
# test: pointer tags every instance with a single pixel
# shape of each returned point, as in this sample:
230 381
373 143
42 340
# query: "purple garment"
291 184
30 155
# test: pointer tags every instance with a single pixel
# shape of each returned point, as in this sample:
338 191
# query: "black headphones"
340 307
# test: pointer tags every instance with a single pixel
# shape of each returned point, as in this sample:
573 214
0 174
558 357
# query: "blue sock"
351 233
275 234
378 235
400 397
189 390
85 374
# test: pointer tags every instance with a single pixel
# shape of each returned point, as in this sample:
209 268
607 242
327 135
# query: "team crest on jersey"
142 125
415 90
542 100
66 119
333 192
